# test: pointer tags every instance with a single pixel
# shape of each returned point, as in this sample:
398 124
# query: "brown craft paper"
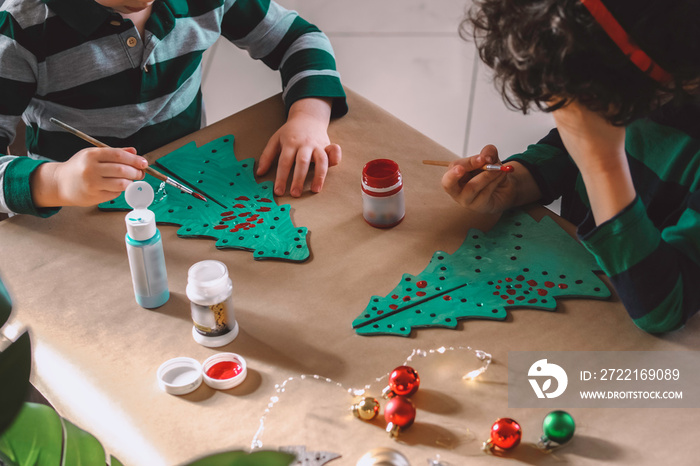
96 351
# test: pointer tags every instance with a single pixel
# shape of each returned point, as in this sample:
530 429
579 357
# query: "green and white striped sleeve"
285 41
17 87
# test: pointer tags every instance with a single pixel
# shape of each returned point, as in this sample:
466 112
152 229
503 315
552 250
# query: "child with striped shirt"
128 72
620 78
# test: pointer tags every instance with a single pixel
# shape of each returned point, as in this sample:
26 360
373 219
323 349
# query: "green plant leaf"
15 368
5 305
34 438
241 458
80 447
114 462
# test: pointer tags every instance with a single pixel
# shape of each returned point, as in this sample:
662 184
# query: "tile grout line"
470 107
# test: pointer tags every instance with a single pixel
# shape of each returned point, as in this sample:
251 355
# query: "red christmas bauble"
400 411
404 381
506 433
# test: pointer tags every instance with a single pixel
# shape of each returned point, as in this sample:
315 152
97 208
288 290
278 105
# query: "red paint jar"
383 204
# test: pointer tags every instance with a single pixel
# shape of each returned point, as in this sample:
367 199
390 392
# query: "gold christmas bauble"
366 409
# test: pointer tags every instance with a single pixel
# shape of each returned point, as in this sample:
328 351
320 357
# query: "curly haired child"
620 79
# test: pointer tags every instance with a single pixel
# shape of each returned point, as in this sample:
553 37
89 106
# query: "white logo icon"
542 368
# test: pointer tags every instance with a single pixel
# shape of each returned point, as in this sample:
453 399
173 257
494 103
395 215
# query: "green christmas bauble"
559 426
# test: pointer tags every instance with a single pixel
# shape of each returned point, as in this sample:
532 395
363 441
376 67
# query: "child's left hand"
301 140
598 149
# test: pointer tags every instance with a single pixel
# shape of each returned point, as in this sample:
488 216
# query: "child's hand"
301 140
592 142
478 190
598 149
91 176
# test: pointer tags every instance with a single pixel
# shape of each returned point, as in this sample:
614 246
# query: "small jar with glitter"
383 203
210 292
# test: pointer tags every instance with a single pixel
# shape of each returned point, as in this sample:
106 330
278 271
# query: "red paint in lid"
224 370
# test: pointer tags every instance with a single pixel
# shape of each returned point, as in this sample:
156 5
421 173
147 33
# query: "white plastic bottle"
210 292
145 248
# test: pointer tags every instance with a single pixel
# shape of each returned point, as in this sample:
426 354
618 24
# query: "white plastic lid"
207 279
232 375
140 222
179 376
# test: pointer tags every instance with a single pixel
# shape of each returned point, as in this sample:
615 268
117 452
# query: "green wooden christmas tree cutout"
240 213
519 263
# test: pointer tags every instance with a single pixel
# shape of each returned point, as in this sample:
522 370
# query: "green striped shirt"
82 63
650 250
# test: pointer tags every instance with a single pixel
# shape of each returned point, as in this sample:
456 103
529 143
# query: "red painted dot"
221 227
226 214
228 219
520 298
393 306
511 292
548 284
380 313
420 293
252 219
394 296
447 298
520 278
422 284
542 292
496 293
563 286
500 281
532 300
510 301
263 209
406 298
498 287
505 296
260 221
244 214
264 199
509 279
242 198
532 282
518 285
238 206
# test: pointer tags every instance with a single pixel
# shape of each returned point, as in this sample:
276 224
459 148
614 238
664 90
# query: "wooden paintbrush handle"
155 173
439 163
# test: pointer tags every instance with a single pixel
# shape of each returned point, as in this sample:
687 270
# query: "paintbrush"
488 167
149 170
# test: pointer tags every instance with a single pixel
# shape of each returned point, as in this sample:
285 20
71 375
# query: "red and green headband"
636 55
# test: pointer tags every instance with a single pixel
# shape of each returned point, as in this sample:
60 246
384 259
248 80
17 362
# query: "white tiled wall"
404 55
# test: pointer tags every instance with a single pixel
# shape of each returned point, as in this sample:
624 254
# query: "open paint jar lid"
224 370
179 376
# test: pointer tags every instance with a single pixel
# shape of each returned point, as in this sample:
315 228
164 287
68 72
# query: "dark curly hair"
547 51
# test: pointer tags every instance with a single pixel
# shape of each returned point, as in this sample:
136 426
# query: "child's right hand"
478 190
91 176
